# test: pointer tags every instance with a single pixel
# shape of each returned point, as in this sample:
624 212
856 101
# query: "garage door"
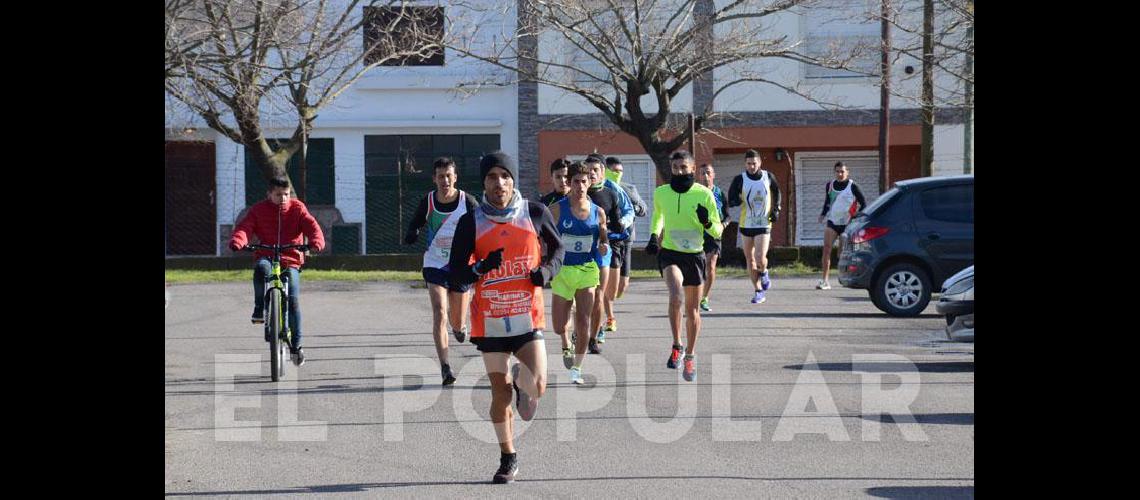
813 171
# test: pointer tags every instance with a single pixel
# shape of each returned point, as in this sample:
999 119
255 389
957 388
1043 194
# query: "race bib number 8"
577 244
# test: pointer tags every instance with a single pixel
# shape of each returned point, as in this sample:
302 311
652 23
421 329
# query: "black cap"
498 159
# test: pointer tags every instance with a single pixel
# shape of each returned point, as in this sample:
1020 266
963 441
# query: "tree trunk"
661 161
272 164
968 140
927 162
302 170
885 101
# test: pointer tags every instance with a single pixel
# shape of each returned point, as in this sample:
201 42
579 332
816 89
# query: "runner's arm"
552 260
734 191
826 200
775 192
462 246
418 220
859 196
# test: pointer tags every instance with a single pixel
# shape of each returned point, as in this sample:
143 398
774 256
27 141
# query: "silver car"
957 303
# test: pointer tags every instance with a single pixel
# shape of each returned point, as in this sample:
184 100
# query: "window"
398 173
949 204
843 31
390 30
881 201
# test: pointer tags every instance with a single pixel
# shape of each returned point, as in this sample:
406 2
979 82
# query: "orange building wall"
904 152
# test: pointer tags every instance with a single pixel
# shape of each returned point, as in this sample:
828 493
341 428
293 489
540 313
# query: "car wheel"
902 290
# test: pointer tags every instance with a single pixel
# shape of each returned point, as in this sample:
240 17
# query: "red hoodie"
295 222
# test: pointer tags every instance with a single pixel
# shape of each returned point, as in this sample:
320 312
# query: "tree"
623 50
240 65
939 34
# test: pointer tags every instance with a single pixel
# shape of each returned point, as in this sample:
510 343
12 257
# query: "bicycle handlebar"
278 248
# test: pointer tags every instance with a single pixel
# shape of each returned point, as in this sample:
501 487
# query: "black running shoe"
508 468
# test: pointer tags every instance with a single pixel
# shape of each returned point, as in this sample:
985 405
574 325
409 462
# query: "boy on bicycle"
279 220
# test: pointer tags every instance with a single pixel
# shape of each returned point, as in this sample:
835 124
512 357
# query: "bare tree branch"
628 49
267 60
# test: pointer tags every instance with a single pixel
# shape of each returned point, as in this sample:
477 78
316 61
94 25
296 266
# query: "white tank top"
843 205
438 252
757 202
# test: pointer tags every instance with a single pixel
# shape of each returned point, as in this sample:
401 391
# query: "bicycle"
276 309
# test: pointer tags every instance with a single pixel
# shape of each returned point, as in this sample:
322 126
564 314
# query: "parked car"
915 235
957 303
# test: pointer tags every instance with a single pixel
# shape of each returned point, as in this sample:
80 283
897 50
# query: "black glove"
703 216
536 277
411 237
492 261
651 248
303 248
774 216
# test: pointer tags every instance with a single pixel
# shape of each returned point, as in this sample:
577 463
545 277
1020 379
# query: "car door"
945 222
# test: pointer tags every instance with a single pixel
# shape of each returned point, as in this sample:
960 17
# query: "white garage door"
639 171
813 171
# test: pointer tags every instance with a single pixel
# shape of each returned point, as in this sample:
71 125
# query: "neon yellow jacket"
676 214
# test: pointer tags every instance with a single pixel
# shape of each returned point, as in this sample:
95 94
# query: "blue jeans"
292 278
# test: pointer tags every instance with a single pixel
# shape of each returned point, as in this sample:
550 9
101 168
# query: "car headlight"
960 287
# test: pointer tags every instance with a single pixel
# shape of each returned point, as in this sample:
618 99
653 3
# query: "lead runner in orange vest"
497 247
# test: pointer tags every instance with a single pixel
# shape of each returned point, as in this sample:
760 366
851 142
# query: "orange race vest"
505 302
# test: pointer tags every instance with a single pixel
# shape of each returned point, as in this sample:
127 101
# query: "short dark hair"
839 164
559 164
443 162
578 168
595 158
703 165
681 154
278 182
611 161
751 153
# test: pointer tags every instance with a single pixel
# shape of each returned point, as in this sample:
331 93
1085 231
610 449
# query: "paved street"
786 403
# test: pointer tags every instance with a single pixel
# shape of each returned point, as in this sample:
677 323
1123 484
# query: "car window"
949 203
881 201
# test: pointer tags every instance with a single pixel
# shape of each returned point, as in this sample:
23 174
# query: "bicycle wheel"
274 323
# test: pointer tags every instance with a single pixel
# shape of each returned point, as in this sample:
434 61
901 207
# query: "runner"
761 207
706 175
839 204
440 211
583 228
614 171
558 174
497 247
611 198
683 212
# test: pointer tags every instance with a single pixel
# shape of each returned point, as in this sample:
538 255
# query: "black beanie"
498 159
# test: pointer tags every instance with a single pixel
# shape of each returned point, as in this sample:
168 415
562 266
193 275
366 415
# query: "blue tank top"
579 237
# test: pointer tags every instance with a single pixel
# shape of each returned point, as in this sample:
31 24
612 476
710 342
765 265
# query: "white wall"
948 149
230 158
861 92
409 100
552 100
